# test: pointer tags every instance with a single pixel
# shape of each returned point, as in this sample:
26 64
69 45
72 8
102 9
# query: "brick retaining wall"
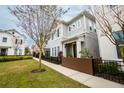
79 64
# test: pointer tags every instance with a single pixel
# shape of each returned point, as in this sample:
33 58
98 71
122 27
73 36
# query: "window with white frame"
20 51
69 28
54 51
52 36
90 28
75 25
58 50
4 39
16 41
21 41
58 32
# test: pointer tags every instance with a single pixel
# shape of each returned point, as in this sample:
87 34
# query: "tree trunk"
40 59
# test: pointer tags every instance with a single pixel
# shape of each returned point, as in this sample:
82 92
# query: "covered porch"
72 47
4 50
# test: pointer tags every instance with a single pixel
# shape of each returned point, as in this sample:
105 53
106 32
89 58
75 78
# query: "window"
20 51
120 51
52 36
52 52
73 25
58 49
94 30
90 28
16 41
57 32
4 39
120 39
15 51
55 51
119 36
13 32
21 42
69 28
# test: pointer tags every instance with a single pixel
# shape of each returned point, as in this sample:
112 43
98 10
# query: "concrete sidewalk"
89 80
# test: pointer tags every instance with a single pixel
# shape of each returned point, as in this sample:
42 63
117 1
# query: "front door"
74 50
3 52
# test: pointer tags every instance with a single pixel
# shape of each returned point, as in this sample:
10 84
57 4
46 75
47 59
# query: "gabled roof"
12 30
84 13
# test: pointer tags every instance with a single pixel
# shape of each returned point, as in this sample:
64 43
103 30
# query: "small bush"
85 53
108 68
13 58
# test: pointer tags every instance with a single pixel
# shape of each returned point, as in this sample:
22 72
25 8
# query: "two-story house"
11 42
73 36
108 50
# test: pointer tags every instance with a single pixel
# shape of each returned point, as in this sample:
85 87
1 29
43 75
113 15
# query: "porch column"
64 50
78 44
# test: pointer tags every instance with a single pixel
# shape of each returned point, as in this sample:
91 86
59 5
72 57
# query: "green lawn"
18 74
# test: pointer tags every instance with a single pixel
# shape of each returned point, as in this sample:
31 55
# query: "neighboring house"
70 37
11 43
109 51
34 50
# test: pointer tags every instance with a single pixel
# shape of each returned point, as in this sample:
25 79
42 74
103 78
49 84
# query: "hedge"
13 58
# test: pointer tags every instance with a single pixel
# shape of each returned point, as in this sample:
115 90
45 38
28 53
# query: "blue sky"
8 21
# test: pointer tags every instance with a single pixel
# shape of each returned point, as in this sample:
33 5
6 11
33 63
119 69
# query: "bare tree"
118 15
38 22
16 44
105 21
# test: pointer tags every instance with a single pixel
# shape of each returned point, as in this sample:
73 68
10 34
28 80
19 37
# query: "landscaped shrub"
85 53
108 68
13 58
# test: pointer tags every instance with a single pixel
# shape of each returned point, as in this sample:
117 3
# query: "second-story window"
52 36
21 41
69 28
94 30
4 39
16 41
90 28
57 32
73 25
